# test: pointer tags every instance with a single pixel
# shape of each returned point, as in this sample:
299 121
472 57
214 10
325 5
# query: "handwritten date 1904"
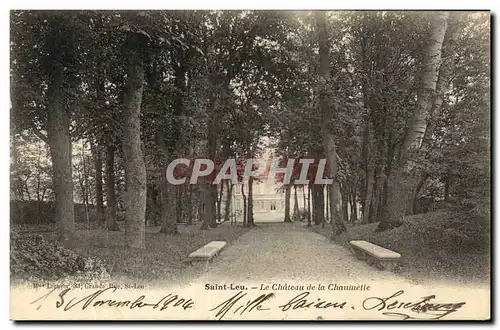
65 301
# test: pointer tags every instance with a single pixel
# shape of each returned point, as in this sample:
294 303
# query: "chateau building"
269 201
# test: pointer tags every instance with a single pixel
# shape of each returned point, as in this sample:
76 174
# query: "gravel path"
281 251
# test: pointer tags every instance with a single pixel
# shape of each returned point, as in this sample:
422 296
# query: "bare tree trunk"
211 211
135 169
295 204
308 206
167 205
368 199
354 207
345 205
60 152
229 194
338 226
219 201
250 221
178 204
111 206
39 197
97 154
151 205
304 200
417 192
190 206
212 206
287 203
327 213
244 205
444 79
206 200
318 204
200 205
377 192
85 188
325 111
402 184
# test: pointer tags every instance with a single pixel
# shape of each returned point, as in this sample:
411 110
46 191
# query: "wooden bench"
375 255
207 252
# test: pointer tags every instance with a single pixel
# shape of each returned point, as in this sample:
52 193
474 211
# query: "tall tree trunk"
444 79
402 184
309 216
96 145
206 200
295 204
212 153
378 195
200 205
97 153
318 204
368 196
287 203
354 207
190 206
378 182
244 205
135 169
417 193
328 216
167 205
178 204
365 155
304 208
39 198
212 206
390 151
327 213
345 211
60 152
250 221
151 205
84 185
219 201
229 195
111 206
325 111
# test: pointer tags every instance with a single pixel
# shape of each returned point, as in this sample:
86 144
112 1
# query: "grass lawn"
164 256
434 246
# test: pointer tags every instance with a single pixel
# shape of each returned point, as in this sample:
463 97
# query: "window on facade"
273 206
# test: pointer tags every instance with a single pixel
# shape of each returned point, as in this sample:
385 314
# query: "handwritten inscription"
100 298
300 301
235 304
423 309
243 303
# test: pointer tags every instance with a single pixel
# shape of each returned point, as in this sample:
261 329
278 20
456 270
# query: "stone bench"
375 255
207 252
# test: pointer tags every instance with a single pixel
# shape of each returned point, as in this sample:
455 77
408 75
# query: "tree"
45 60
327 136
401 185
288 190
135 169
111 205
